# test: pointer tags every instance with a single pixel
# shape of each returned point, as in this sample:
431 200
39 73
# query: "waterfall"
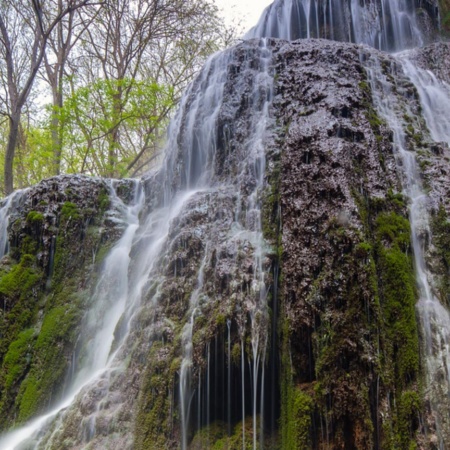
109 302
201 143
434 317
435 101
183 296
11 203
384 24
137 268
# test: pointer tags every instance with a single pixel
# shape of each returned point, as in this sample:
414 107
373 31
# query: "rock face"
271 293
58 231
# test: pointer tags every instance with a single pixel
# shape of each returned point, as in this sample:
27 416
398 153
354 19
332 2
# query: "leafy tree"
90 114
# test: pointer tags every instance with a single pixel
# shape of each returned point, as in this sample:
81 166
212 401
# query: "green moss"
409 408
398 306
296 432
70 211
393 229
18 358
363 250
34 218
215 437
440 226
103 200
155 404
18 295
57 335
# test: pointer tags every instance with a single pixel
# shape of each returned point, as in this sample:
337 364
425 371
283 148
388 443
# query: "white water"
9 205
383 24
108 305
435 101
245 231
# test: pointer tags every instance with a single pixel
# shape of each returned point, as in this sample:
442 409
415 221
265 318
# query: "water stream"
201 165
9 205
110 298
435 101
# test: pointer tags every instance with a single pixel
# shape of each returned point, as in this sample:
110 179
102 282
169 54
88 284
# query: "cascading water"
435 318
246 227
435 101
109 302
384 24
192 266
9 204
192 171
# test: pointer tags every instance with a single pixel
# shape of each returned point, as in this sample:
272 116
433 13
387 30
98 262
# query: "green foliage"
112 119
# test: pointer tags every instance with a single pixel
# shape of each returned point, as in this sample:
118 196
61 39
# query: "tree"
25 28
133 43
90 113
61 42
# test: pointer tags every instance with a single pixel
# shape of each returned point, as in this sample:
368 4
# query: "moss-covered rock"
42 290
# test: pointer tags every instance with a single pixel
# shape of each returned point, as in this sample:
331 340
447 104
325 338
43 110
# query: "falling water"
9 204
435 100
134 265
384 24
109 302
201 144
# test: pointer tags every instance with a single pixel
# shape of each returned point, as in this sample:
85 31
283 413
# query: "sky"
248 11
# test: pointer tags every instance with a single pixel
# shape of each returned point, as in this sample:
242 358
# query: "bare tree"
61 42
25 28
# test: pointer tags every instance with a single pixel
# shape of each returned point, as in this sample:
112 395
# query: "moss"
215 437
103 200
155 404
56 336
18 358
18 300
440 226
409 408
70 211
393 283
296 431
398 306
34 218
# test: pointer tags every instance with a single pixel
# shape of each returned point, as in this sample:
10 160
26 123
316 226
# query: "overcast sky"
249 11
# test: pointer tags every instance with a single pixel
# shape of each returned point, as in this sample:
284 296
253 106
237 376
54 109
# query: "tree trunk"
56 129
14 121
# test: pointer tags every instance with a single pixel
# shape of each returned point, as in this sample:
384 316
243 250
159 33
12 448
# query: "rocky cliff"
266 274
